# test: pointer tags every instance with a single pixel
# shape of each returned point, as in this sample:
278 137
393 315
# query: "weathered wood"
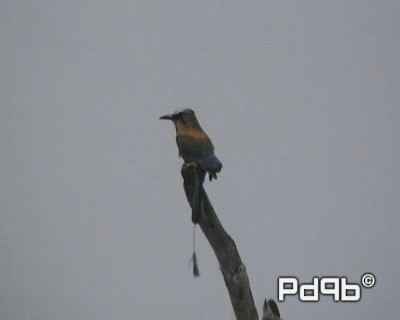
270 310
232 268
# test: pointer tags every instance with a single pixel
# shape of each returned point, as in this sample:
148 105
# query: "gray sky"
301 99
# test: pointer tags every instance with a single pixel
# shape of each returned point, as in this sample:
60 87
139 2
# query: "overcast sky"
301 100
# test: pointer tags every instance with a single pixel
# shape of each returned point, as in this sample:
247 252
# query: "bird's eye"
181 117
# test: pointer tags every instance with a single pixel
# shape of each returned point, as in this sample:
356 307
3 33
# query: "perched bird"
193 143
194 147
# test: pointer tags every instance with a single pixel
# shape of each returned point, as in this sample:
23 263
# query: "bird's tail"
193 260
196 199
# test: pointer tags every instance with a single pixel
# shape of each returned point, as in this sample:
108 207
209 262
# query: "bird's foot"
190 165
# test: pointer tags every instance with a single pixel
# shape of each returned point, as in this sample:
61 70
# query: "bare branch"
232 268
270 310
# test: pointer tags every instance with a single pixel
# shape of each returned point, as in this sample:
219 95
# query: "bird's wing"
193 147
211 164
201 150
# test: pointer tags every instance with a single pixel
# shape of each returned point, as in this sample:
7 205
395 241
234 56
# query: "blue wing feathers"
201 152
210 163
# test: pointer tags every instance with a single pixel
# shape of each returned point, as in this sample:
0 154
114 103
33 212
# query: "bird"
193 143
195 147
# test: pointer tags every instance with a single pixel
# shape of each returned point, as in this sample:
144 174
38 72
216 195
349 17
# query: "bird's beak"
166 117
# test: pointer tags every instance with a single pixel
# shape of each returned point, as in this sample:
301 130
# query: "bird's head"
182 117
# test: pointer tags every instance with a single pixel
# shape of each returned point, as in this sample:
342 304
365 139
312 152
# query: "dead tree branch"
232 268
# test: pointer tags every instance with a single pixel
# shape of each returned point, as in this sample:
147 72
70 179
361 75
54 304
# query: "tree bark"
232 268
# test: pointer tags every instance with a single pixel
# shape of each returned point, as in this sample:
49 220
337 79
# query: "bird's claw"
190 165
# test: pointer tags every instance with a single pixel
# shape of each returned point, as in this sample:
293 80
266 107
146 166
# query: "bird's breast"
193 133
186 158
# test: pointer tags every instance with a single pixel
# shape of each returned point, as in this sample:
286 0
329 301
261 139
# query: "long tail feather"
196 272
